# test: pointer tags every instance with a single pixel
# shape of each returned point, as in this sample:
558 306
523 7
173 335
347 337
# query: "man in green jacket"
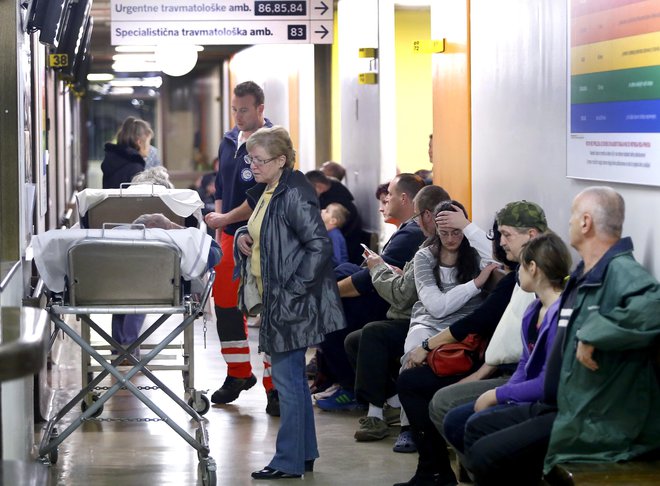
608 397
601 394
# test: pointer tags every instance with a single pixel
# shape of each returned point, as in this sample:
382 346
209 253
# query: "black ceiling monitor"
47 17
83 59
76 33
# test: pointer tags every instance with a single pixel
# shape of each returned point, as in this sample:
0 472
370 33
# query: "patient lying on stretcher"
126 327
159 220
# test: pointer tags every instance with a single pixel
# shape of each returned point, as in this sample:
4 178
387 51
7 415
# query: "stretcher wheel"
83 406
200 406
207 473
53 455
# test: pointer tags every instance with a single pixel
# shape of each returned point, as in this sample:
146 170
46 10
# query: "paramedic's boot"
231 388
273 403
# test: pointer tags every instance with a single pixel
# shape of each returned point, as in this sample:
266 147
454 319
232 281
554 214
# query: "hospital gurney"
123 271
97 207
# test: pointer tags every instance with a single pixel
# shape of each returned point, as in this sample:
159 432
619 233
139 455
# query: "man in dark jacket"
361 302
232 210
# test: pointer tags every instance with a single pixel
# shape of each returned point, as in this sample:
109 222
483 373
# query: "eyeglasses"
446 234
416 217
254 160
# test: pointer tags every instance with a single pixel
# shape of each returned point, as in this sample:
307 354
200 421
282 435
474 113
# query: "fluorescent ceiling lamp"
145 48
100 77
135 66
122 91
148 82
145 57
135 48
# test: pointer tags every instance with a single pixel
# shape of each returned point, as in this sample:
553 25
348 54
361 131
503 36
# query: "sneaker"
405 443
371 428
273 404
328 392
391 415
231 388
340 400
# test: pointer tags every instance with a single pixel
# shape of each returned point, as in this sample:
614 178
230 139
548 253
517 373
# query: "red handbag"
457 358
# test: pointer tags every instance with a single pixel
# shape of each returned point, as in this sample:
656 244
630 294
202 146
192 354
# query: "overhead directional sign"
151 22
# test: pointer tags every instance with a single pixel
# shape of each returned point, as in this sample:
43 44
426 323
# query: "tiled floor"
242 436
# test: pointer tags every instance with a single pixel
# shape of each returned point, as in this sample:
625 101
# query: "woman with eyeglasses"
289 253
449 276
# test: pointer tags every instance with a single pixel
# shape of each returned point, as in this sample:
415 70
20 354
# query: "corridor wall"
519 89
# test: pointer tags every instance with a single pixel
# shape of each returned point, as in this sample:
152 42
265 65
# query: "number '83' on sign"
297 32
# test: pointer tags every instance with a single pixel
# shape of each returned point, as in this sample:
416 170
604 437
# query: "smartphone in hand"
367 250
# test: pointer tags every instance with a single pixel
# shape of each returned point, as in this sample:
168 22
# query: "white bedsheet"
182 202
50 249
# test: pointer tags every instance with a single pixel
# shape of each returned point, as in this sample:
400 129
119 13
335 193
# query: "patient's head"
156 220
156 175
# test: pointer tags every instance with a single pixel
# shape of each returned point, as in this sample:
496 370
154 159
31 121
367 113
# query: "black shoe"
273 404
430 480
309 465
270 473
231 388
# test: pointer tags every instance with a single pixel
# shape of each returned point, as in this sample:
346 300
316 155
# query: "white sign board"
613 112
152 22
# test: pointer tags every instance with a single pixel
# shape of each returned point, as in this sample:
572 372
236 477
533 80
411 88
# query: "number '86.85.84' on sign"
283 7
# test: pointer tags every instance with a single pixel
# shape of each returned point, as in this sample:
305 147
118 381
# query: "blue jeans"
296 438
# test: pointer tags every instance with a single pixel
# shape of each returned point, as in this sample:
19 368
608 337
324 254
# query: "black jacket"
120 164
300 296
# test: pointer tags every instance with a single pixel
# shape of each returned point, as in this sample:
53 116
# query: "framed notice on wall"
614 91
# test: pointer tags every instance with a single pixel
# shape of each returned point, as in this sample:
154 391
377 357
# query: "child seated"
335 216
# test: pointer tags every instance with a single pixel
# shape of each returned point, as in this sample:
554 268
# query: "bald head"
606 207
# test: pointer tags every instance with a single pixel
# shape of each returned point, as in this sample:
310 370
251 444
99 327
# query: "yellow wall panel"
414 90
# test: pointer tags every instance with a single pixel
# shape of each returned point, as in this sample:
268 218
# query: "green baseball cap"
522 214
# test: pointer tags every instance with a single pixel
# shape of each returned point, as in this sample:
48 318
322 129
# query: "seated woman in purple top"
545 263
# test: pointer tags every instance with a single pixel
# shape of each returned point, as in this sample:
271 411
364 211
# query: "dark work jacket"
234 176
300 296
120 164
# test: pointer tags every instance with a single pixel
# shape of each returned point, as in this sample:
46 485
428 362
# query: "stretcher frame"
121 209
131 260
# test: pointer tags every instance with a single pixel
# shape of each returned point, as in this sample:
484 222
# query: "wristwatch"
425 345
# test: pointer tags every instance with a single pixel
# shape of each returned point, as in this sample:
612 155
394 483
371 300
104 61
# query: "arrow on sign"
324 31
324 8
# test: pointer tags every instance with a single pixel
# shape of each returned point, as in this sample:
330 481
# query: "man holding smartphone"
361 302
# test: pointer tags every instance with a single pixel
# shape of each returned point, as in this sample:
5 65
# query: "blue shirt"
339 250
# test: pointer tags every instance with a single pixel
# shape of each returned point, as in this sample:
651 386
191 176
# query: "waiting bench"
639 473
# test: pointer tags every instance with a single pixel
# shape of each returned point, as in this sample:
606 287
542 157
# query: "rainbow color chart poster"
614 91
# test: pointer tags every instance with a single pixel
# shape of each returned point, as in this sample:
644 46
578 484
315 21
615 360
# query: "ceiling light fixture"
100 77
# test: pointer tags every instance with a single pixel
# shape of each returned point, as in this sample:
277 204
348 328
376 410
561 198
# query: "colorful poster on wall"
614 91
